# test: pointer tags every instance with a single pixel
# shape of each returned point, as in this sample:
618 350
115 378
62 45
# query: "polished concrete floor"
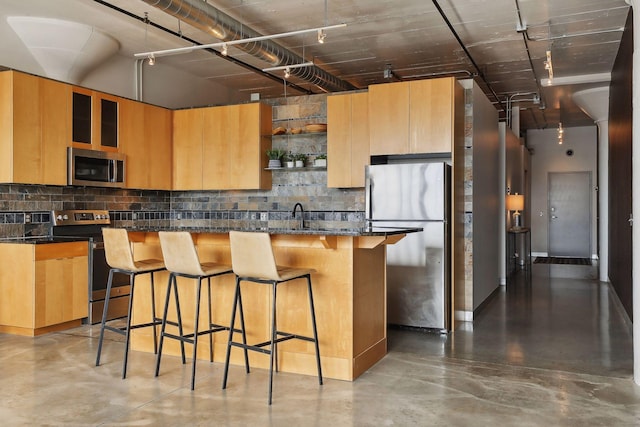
553 351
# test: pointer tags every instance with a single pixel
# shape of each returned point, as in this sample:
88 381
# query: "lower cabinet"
44 287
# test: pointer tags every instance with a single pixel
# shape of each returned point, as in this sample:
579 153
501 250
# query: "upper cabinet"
416 117
96 120
145 139
34 129
347 139
221 148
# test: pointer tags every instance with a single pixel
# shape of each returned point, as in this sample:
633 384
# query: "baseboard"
463 316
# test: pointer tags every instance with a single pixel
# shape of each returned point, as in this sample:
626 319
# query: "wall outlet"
264 216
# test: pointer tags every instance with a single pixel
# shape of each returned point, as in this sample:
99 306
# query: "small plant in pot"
289 160
320 160
300 160
275 157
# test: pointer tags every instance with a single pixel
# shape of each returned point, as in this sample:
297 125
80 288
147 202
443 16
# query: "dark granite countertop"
38 240
362 231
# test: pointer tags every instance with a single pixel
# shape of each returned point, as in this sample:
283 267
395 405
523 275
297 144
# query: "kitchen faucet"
293 214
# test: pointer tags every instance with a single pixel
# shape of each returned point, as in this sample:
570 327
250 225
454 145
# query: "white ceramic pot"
290 164
320 163
275 164
299 164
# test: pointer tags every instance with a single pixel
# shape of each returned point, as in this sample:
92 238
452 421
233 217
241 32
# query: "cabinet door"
389 118
187 149
61 283
246 166
219 135
347 139
157 143
55 115
359 137
132 144
339 141
431 115
27 155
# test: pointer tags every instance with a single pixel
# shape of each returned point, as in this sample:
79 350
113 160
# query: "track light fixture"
224 50
234 42
321 36
287 73
548 65
152 59
560 133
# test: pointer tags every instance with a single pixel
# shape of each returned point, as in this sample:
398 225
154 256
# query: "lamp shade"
515 202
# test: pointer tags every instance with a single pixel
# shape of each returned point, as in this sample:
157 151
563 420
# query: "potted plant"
275 157
289 160
300 160
320 160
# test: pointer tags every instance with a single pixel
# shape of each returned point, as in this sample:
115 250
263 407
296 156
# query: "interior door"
570 214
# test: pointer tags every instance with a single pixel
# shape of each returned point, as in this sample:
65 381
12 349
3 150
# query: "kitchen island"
349 292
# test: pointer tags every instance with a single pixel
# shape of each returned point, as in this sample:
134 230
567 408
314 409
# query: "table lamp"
515 202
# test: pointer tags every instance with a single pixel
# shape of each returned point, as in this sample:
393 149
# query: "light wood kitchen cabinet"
187 149
432 107
414 117
347 139
145 139
44 287
221 148
389 118
34 129
95 120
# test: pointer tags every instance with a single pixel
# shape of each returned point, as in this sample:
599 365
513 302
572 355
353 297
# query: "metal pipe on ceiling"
466 51
218 24
212 51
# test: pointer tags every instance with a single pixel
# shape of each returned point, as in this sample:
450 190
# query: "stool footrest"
285 336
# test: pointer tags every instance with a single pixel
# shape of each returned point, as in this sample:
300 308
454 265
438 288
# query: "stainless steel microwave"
95 168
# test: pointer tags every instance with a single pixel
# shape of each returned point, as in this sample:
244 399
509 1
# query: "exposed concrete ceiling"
502 43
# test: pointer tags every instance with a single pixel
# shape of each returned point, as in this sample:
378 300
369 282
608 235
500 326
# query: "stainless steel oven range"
88 224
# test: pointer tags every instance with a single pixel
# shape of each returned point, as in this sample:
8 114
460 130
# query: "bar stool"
119 257
252 260
181 259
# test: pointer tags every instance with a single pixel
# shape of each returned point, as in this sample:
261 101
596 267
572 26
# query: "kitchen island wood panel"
43 286
349 291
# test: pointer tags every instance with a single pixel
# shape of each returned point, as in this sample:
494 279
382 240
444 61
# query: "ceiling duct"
213 21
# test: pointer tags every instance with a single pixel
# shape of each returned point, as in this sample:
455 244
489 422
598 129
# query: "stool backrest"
117 248
252 255
179 252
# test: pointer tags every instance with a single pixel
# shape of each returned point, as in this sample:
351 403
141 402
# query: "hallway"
554 352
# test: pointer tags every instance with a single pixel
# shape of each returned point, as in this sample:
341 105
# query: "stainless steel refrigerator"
418 266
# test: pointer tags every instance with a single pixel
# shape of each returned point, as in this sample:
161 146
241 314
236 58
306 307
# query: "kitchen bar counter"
349 292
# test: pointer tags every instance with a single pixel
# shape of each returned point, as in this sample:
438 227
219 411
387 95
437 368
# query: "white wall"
549 156
486 198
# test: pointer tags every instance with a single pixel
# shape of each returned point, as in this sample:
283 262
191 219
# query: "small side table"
518 250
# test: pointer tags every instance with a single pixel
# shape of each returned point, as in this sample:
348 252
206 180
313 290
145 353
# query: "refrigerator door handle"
367 207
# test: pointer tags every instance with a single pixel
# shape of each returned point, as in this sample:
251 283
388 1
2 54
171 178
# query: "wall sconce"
515 203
